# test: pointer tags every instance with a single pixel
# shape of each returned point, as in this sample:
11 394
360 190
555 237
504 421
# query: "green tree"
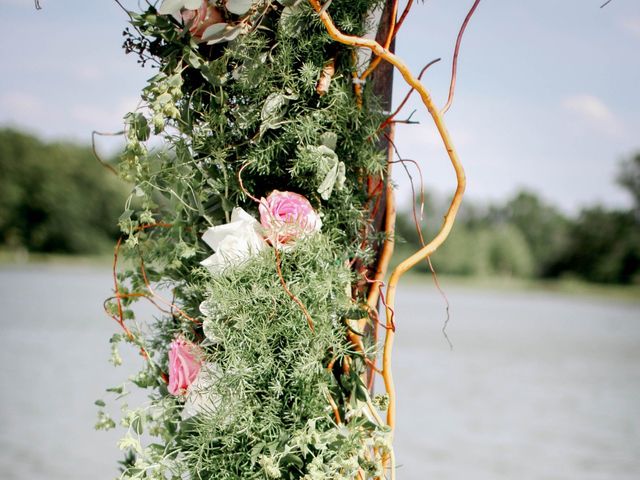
543 227
629 178
604 246
55 197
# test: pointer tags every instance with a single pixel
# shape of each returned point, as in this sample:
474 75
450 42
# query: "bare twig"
407 96
95 151
400 21
456 51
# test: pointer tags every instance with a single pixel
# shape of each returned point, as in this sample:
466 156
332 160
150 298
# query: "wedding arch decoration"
262 230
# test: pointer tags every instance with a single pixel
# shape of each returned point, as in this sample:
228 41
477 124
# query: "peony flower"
287 216
233 242
202 18
184 365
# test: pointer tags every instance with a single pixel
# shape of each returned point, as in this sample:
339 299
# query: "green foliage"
239 119
526 237
267 407
482 251
56 197
629 179
603 246
542 226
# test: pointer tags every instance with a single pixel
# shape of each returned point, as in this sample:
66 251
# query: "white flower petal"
214 263
233 242
215 235
200 396
239 215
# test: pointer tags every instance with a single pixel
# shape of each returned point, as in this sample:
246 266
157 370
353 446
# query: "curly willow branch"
450 216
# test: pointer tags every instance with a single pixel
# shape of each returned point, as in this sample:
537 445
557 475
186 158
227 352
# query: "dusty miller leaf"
329 140
334 178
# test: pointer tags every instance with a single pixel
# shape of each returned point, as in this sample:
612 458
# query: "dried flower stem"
291 295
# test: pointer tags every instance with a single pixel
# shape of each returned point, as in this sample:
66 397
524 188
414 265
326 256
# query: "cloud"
631 25
592 111
21 107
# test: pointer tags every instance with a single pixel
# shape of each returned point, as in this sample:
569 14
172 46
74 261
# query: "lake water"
538 386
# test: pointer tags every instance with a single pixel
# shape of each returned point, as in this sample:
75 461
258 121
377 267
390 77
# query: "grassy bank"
13 258
510 283
566 286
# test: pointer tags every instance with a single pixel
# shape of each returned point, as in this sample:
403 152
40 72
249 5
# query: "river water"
537 386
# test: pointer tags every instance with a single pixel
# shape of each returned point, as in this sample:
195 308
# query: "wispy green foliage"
268 403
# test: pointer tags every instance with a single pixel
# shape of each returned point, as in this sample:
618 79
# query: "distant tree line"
527 237
56 197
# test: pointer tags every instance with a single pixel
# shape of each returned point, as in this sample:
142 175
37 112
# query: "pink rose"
184 364
202 18
287 216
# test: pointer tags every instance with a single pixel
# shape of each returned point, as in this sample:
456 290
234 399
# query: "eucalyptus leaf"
169 7
213 31
194 60
225 34
136 424
138 126
238 7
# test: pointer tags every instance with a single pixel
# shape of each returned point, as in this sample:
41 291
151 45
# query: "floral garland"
257 216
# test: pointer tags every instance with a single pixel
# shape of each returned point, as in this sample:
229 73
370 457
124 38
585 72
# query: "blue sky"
547 92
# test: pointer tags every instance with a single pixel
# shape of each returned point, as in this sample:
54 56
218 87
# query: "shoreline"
564 286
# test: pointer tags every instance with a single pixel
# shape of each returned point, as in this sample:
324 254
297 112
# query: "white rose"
233 242
200 396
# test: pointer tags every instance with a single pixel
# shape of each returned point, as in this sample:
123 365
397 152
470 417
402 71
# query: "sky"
546 97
